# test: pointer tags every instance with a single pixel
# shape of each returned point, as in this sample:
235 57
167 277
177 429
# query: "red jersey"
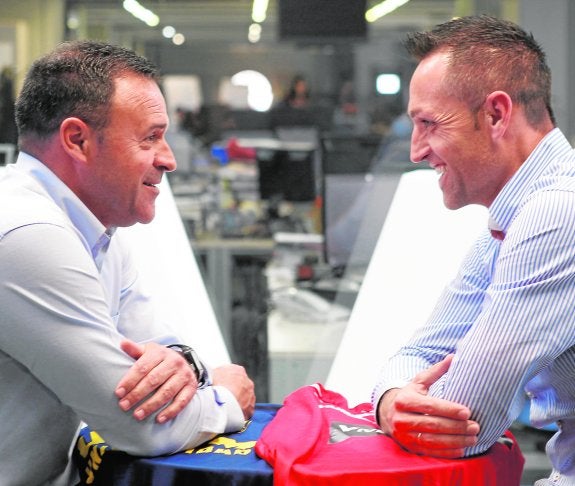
316 439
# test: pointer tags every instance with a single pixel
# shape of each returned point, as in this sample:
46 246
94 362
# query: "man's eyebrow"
158 126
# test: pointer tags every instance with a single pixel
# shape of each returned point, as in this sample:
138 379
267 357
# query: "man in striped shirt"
480 105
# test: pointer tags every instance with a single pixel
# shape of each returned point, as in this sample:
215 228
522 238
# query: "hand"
427 425
158 370
235 379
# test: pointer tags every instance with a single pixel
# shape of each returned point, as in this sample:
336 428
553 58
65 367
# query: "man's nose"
165 158
419 147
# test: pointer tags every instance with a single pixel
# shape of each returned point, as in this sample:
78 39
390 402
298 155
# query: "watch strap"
194 361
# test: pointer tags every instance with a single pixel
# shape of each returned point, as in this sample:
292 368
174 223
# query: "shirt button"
555 477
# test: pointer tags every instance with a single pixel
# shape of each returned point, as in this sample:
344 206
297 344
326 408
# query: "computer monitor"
287 173
360 175
354 209
348 153
319 21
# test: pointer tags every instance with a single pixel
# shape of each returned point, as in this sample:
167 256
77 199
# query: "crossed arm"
507 316
161 377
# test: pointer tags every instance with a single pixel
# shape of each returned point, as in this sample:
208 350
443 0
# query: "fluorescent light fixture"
141 13
383 8
388 84
259 10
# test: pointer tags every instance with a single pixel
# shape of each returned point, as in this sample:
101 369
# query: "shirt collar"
95 233
502 211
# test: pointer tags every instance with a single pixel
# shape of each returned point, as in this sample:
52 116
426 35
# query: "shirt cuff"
382 387
235 416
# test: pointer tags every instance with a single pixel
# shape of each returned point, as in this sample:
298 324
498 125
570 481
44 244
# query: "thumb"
429 376
132 348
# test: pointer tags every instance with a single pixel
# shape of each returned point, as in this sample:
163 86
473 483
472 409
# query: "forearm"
56 323
212 411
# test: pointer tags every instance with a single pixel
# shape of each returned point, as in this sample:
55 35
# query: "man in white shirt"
92 121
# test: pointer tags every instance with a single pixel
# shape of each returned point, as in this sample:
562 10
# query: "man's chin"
147 219
141 218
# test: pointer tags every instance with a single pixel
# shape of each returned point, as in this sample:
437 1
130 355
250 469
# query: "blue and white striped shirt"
509 315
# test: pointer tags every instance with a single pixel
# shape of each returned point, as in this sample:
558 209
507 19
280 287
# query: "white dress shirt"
69 294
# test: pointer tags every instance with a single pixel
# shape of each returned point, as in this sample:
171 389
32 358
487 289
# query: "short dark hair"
74 80
488 54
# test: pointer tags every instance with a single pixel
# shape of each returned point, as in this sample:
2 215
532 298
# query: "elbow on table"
154 440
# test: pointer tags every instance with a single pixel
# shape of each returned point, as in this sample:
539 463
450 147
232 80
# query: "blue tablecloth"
227 459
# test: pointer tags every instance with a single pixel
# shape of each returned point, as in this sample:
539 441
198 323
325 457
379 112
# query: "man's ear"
498 108
75 137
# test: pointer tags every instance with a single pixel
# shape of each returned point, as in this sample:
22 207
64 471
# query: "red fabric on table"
316 439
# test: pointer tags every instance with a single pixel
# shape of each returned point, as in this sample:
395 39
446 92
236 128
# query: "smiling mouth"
440 169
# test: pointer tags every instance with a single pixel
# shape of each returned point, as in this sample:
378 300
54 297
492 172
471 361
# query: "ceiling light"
178 39
255 33
259 10
388 84
141 13
168 32
383 8
260 96
73 21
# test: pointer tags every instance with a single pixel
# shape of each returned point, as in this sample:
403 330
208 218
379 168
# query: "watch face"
193 359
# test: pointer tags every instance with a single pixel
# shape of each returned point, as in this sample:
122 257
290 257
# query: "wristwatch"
194 360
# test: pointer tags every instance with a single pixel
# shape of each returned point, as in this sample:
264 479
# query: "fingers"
412 411
426 405
433 434
444 408
235 378
162 376
424 424
136 372
250 404
406 424
439 445
177 404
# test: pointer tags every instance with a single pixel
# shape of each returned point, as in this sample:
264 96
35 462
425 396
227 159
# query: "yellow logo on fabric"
225 446
95 454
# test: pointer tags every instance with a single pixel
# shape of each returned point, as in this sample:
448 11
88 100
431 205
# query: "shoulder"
547 214
24 203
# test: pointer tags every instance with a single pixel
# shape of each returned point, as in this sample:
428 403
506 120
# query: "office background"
237 270
216 46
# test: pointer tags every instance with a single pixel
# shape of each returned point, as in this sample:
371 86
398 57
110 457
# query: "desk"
238 289
300 352
314 439
219 257
228 459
